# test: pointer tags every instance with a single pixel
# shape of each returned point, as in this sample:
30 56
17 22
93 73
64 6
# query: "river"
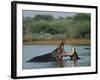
30 51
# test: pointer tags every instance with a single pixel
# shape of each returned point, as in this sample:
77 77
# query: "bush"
46 27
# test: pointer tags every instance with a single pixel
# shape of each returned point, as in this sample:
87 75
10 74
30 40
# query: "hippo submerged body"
42 58
49 57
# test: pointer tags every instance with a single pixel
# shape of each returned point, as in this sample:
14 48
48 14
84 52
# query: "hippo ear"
74 49
71 49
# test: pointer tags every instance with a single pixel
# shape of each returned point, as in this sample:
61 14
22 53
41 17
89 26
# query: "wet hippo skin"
42 58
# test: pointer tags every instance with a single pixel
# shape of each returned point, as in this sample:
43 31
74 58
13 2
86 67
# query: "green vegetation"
46 27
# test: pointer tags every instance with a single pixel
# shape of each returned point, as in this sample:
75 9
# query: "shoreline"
53 42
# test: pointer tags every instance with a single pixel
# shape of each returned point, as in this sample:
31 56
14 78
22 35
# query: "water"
30 51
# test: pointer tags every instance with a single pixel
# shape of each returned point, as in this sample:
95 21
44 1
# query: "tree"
82 16
43 17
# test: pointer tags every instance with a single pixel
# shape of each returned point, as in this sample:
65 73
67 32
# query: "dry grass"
50 42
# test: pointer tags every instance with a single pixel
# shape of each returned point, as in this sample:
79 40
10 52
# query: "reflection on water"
30 51
62 63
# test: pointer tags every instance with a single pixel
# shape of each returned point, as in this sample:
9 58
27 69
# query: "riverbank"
51 42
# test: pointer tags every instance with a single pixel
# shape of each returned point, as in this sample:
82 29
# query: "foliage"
46 27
